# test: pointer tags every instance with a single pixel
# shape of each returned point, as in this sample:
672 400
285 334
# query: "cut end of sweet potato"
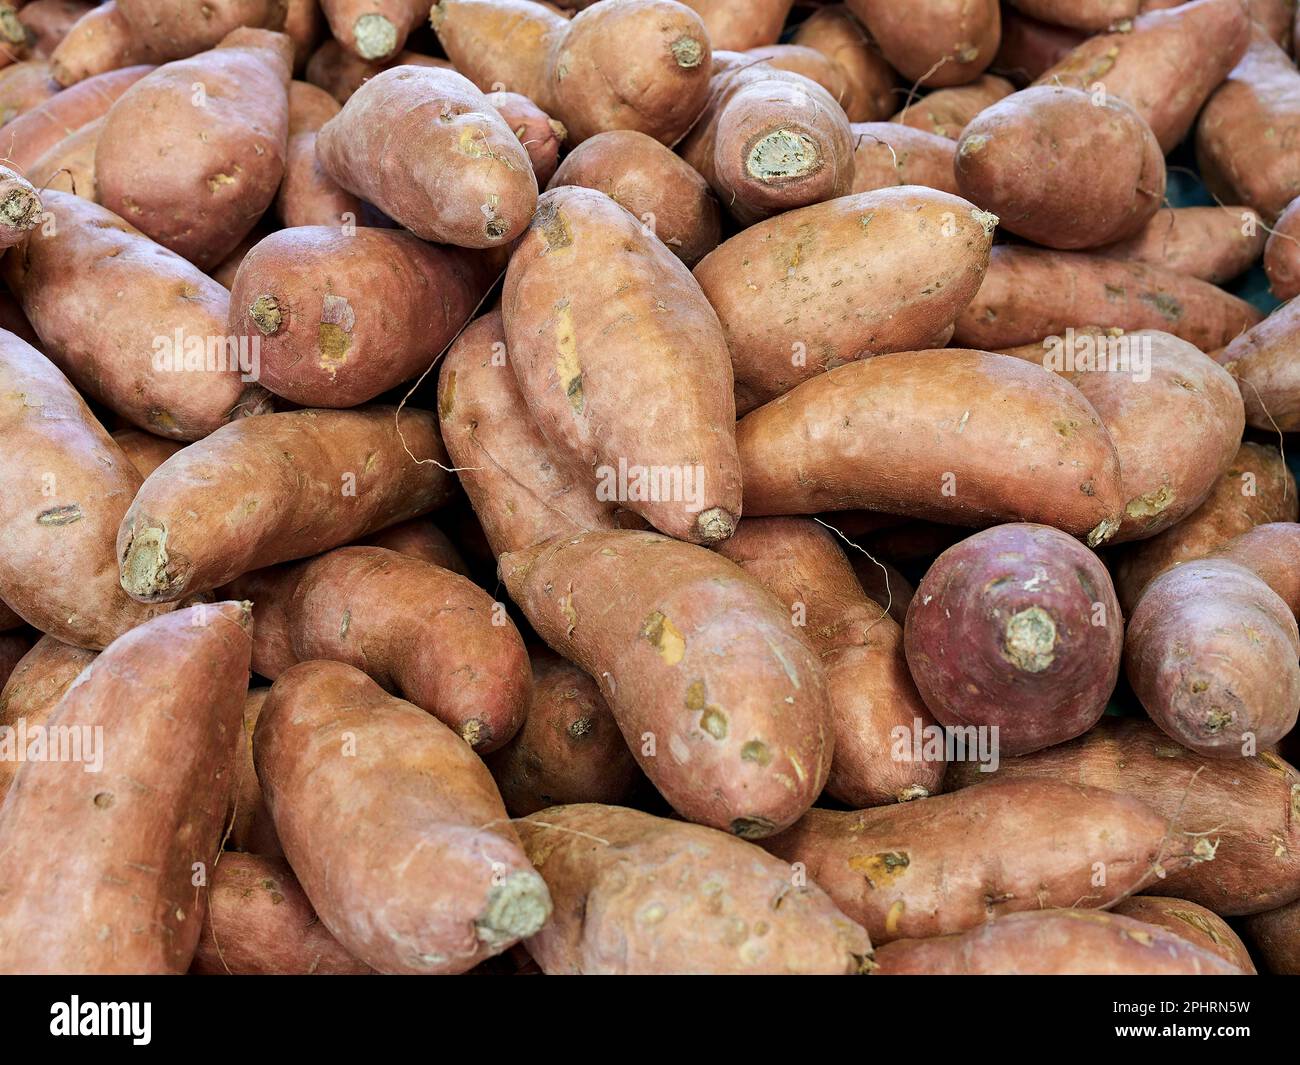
688 52
144 565
1030 639
266 315
715 525
516 909
20 209
782 155
375 35
1103 532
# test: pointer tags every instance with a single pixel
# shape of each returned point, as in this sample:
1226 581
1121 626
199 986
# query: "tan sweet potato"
569 749
419 538
1262 359
197 178
934 42
1187 920
162 359
541 135
20 208
853 277
963 437
285 486
872 697
1165 63
69 166
741 741
1275 936
1053 943
1029 48
1215 244
583 307
1282 253
258 922
250 826
1024 158
1272 553
737 25
947 112
374 29
99 42
1031 293
307 195
887 154
833 31
97 867
501 45
446 883
1244 811
340 73
24 87
1254 489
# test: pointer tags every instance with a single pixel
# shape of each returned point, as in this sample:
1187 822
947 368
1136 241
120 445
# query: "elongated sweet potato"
934 42
962 437
1272 553
1282 253
308 196
938 866
250 826
740 741
873 700
48 21
947 112
833 31
99 851
99 42
340 73
1262 359
1243 811
1188 920
638 894
1215 244
1165 63
1031 293
374 29
1029 48
1276 938
177 30
740 24
258 922
285 486
427 148
501 45
886 153
20 207
446 883
569 749
853 277
162 359
1053 943
420 538
69 166
584 310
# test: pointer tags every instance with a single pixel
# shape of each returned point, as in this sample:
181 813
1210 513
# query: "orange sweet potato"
24 87
833 31
69 166
934 42
500 45
887 153
1029 48
145 451
250 826
340 73
374 29
1276 938
1215 244
1272 553
1091 15
420 538
947 112
48 21
99 42
541 135
308 196
737 25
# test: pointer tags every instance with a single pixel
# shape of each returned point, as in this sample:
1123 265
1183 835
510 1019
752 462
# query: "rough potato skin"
343 315
1016 628
250 826
522 490
196 178
724 707
428 149
1254 489
887 154
1053 943
392 825
885 433
1031 293
20 207
421 631
96 868
770 140
947 112
944 864
420 538
56 571
569 749
652 183
1275 936
1272 553
641 895
737 25
1262 359
1215 244
833 31
1244 811
258 922
1164 63
1282 253
934 42
541 135
1188 920
853 277
1025 159
601 320
374 29
861 650
69 166
285 486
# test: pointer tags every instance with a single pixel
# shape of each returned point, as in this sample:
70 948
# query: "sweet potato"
946 112
934 42
1275 936
427 148
285 486
1187 920
197 178
307 195
770 140
445 883
1262 360
24 87
1091 15
340 316
145 451
20 208
66 486
583 307
1031 293
99 42
258 922
1215 244
305 25
419 538
569 749
1029 48
340 73
541 135
963 437
938 866
177 30
812 64
69 166
96 867
501 45
833 31
161 359
250 826
1023 157
637 894
1165 63
737 25
856 276
872 697
374 29
1053 943
1272 553
1243 811
887 154
1282 253
48 21
740 741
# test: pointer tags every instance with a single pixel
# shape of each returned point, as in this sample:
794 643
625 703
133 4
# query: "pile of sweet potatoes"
649 487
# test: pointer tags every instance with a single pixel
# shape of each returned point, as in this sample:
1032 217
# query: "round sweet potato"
934 42
833 31
886 154
1262 359
1187 920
